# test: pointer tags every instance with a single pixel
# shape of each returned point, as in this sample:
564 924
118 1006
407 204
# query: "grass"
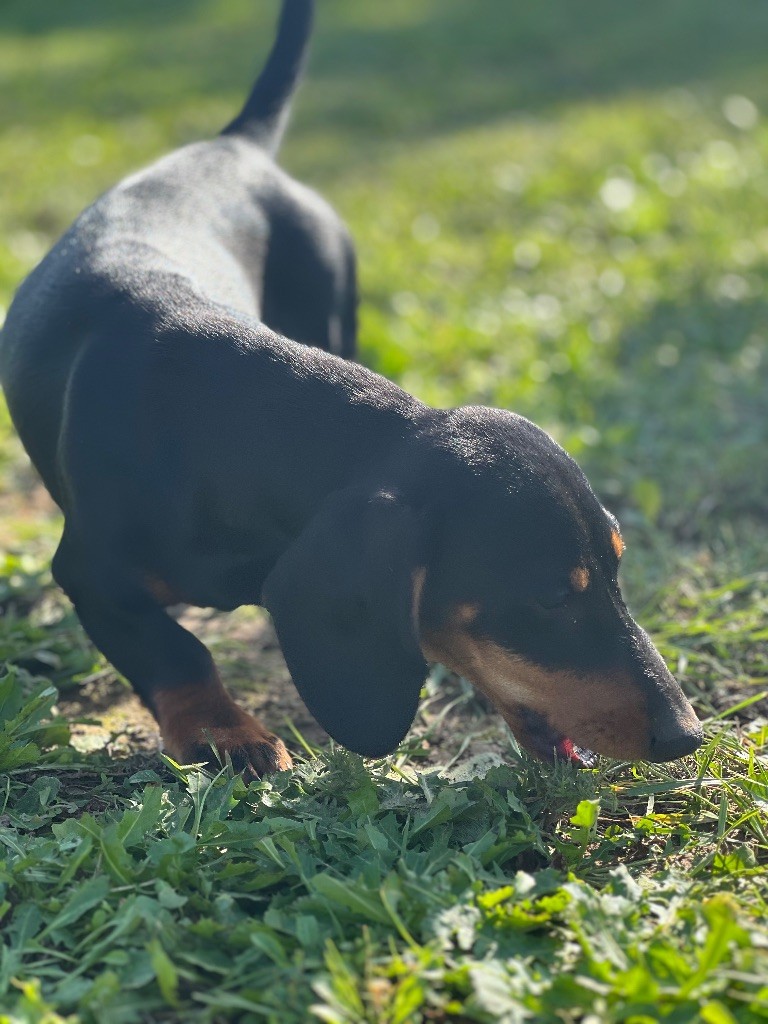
381 892
558 209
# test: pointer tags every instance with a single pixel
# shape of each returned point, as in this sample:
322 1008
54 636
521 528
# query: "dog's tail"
265 114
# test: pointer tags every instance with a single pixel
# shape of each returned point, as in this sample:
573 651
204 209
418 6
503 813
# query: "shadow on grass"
403 70
21 17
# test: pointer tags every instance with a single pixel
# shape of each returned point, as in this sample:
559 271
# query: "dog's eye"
555 599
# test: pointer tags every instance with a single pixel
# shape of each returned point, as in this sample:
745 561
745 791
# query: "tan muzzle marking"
607 714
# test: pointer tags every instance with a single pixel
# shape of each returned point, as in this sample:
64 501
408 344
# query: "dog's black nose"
668 746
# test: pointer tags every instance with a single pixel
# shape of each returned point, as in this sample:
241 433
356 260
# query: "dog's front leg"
169 668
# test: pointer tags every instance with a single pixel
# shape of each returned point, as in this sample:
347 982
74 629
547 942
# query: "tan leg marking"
162 592
196 715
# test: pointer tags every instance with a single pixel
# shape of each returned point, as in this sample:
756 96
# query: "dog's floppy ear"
341 598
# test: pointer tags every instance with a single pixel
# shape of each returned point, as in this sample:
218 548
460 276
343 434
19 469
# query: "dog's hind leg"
169 668
310 280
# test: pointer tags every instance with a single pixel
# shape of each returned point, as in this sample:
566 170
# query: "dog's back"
216 224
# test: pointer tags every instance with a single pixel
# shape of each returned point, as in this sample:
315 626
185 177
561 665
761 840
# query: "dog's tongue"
568 751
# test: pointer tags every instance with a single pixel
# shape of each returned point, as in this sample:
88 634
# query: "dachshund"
179 370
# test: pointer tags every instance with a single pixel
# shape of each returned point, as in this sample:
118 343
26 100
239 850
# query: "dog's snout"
674 729
668 746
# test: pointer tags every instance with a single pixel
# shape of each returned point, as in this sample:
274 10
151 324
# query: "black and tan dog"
200 456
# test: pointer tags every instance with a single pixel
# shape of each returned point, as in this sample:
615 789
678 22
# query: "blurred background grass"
559 209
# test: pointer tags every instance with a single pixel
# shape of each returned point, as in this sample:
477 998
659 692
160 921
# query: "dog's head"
481 546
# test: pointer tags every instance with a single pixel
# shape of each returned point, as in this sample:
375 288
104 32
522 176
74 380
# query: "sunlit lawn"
560 209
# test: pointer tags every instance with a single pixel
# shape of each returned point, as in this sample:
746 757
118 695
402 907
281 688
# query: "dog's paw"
203 725
254 753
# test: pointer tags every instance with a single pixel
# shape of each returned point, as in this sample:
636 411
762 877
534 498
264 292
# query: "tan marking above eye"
617 543
465 613
579 578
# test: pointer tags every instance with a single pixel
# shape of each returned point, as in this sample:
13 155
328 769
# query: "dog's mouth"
548 744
